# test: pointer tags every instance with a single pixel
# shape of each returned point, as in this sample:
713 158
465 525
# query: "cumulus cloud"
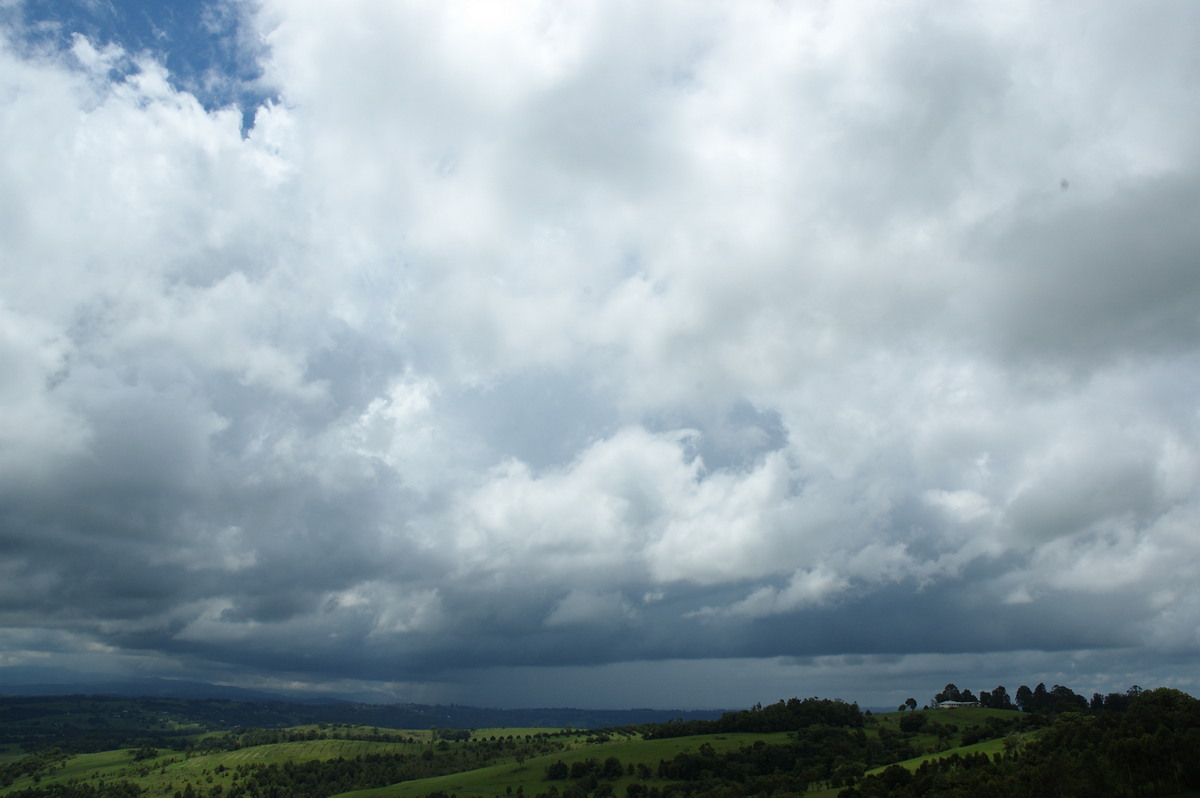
573 336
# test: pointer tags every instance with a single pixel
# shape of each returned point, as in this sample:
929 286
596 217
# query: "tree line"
795 713
1056 700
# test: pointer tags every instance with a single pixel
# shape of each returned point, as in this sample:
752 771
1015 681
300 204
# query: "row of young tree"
99 789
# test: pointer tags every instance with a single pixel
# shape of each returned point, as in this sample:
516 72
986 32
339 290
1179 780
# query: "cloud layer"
584 334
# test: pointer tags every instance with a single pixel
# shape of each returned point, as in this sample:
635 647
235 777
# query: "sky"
606 354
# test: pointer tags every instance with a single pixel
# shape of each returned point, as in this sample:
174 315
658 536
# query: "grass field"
988 747
169 771
498 780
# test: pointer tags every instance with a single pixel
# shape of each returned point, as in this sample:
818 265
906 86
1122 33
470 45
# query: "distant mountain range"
31 682
262 708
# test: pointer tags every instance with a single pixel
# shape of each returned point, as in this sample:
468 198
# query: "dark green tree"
1064 699
949 693
1041 698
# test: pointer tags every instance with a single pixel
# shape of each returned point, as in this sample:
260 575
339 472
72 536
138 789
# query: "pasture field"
304 751
959 719
502 780
988 747
478 772
170 771
507 731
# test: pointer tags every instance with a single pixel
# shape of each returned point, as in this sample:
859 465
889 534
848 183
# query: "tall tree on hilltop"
949 693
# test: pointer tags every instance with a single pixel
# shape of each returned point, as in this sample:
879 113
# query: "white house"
953 704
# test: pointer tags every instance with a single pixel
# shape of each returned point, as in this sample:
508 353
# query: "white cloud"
497 317
98 61
804 589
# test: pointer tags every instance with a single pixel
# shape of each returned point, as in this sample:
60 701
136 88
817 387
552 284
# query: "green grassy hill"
504 779
493 763
934 749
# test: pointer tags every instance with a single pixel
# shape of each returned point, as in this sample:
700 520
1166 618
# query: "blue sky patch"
206 47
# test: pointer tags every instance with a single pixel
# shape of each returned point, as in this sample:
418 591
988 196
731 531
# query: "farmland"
817 747
323 759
